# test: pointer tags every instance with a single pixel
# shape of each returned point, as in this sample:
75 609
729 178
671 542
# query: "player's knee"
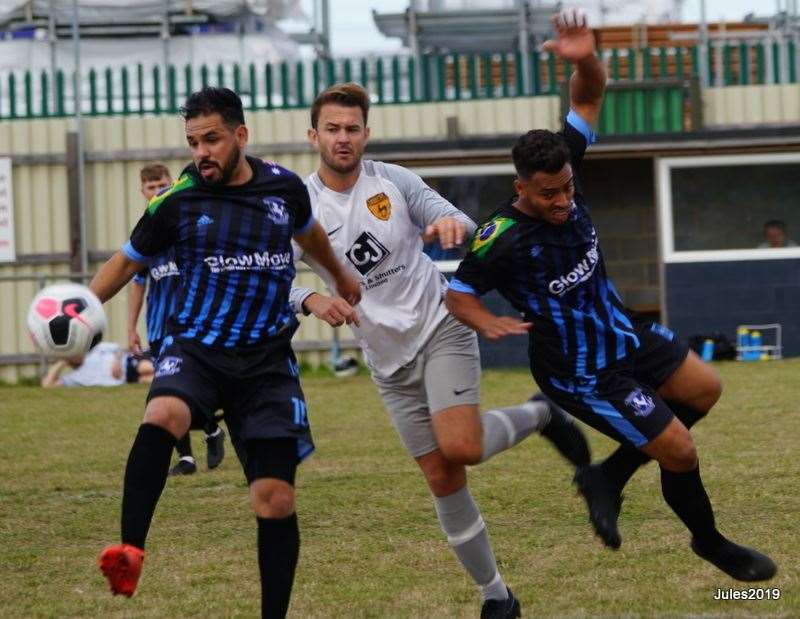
445 480
462 451
683 455
169 413
272 498
712 392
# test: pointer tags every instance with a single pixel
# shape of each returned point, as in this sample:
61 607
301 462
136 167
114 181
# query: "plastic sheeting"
121 11
270 44
210 49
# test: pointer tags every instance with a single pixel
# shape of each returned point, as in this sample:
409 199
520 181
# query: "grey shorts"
446 372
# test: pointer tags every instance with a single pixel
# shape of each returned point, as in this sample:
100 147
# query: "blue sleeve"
130 251
583 127
458 286
306 227
303 220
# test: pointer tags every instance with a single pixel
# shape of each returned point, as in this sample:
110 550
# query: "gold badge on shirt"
380 206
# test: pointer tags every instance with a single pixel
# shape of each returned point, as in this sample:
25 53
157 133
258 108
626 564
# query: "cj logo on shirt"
367 253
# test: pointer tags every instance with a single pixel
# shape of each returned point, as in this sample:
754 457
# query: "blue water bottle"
755 345
742 341
707 352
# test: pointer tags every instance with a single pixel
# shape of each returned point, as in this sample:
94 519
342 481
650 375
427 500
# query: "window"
731 207
475 189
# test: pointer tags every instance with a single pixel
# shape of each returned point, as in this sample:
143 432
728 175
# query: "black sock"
145 476
620 466
278 548
184 446
688 415
685 494
211 428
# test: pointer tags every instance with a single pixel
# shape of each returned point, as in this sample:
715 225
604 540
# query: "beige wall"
114 204
751 105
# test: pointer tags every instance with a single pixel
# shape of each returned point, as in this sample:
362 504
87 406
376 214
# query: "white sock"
466 533
505 427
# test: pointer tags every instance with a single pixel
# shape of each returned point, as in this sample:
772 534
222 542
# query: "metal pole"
53 39
77 121
413 42
524 47
165 44
702 52
769 66
719 60
326 28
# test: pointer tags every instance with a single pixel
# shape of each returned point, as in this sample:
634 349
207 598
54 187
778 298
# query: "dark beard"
228 168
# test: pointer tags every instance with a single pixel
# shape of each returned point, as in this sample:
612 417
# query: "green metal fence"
650 107
453 77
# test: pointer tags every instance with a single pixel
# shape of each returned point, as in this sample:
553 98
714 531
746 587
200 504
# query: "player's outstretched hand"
449 230
574 39
349 288
134 342
501 326
333 310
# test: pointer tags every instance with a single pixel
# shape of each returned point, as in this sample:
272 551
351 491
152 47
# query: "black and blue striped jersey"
556 277
233 249
162 278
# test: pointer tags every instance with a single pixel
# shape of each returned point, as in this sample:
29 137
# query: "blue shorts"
621 401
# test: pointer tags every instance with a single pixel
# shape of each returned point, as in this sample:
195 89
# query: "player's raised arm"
113 275
575 43
314 242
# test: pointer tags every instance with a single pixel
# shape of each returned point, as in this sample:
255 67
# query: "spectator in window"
775 235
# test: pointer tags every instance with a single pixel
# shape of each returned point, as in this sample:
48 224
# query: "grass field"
371 546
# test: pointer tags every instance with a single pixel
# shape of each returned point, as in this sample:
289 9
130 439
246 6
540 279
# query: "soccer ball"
66 320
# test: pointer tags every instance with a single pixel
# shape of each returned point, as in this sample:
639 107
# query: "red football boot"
121 564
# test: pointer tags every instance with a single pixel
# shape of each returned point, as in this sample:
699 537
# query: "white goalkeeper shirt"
375 229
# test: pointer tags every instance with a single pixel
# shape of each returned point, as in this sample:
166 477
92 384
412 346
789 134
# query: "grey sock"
505 427
466 533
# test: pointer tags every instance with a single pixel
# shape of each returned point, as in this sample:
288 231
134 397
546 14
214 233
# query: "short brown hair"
348 94
153 172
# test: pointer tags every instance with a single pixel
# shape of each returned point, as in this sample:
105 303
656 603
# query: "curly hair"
539 151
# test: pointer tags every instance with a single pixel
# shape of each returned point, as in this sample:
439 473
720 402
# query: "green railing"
453 77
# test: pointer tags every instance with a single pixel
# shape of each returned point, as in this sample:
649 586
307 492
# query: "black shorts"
155 348
621 401
258 391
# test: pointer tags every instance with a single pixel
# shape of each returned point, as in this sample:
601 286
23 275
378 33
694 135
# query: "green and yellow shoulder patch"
184 182
488 233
